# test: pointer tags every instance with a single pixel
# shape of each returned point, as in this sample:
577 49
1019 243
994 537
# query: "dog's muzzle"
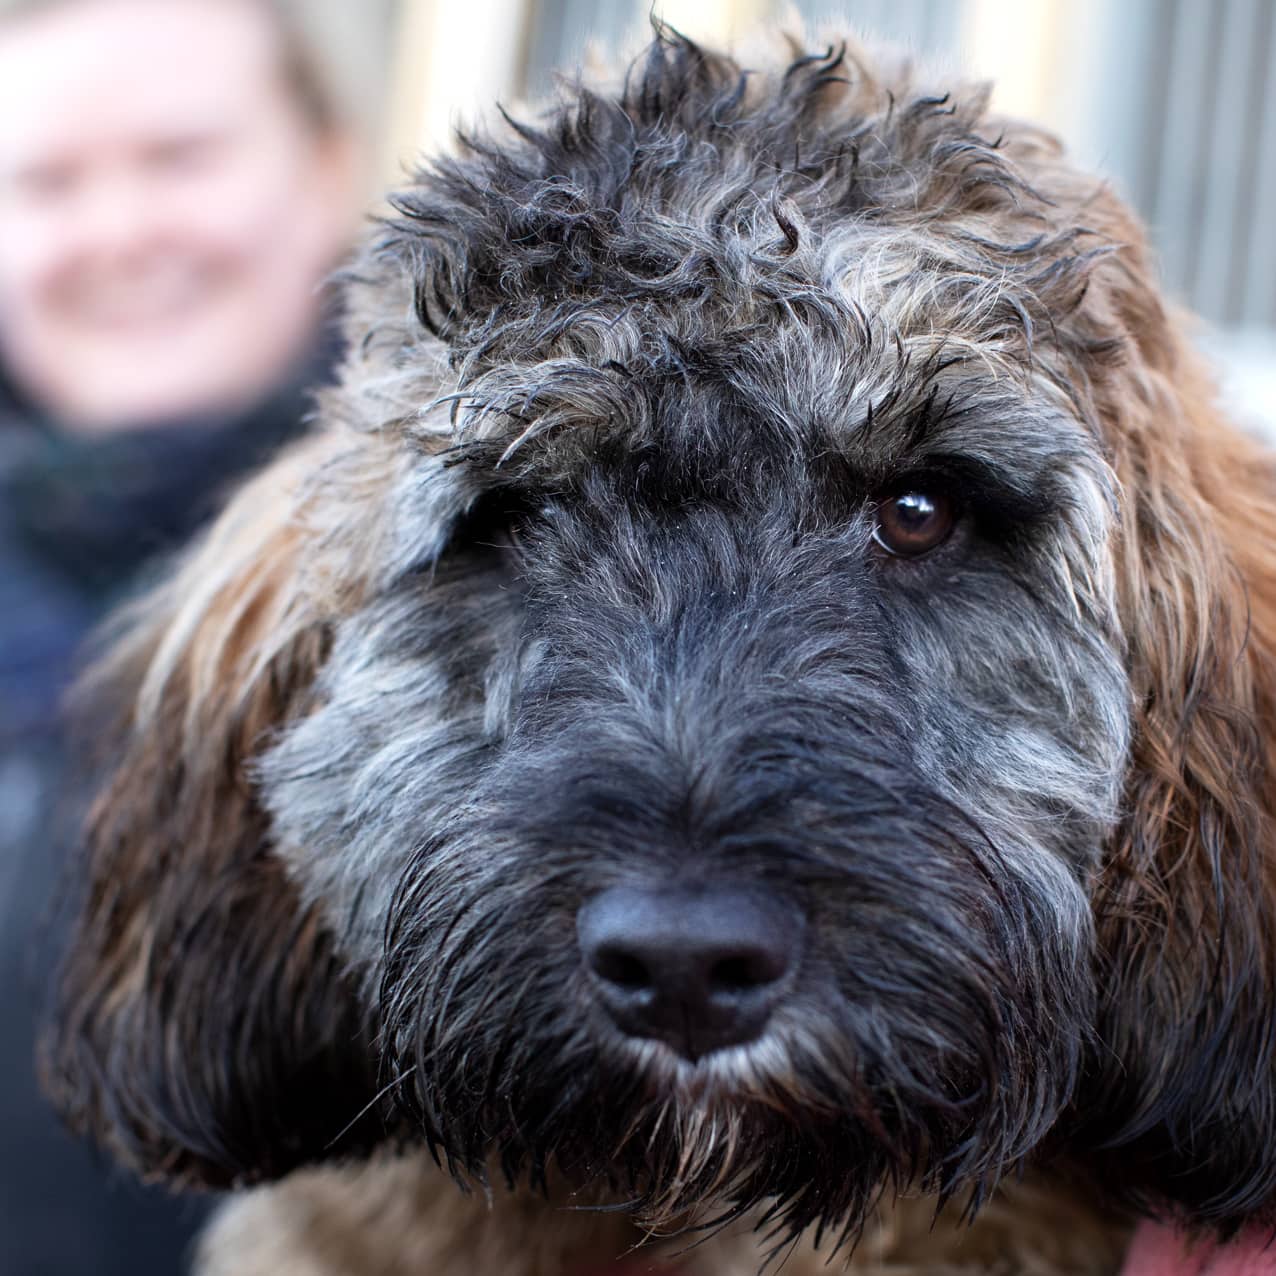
697 968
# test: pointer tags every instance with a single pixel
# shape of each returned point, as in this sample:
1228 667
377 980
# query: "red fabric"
1158 1250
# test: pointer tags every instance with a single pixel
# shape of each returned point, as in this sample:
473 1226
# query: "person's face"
166 211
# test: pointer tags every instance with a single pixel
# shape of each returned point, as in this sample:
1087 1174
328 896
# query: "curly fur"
575 584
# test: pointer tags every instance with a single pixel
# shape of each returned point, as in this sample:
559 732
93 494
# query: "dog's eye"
913 523
497 520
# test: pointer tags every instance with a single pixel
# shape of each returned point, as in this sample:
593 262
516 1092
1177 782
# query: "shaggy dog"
748 722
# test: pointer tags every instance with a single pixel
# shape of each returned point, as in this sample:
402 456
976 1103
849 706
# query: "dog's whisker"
371 1105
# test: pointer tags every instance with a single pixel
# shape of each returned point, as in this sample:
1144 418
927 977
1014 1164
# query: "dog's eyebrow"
1003 495
997 445
914 411
899 408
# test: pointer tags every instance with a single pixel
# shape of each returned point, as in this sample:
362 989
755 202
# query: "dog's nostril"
699 969
741 973
621 968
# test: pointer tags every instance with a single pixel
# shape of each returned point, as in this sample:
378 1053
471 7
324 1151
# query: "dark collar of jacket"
91 511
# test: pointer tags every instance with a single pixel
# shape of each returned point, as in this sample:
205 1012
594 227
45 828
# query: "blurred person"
176 179
170 191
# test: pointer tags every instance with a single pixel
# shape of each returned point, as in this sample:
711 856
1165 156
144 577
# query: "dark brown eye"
913 523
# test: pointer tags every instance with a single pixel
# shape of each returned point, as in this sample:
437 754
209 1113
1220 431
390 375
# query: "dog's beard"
932 1053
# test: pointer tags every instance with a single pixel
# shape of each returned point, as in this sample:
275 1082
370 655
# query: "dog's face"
748 700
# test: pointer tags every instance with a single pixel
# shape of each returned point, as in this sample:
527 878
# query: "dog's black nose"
698 969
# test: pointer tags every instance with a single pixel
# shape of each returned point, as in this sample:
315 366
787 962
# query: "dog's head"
759 689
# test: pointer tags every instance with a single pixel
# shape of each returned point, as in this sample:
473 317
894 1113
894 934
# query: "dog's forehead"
722 265
832 384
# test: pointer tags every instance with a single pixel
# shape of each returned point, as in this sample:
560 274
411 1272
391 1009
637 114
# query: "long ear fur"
204 1029
1182 1096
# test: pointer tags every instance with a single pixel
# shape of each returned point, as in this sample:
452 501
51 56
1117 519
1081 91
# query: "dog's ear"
1182 1094
203 1027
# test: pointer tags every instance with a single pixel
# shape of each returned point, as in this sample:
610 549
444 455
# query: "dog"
744 734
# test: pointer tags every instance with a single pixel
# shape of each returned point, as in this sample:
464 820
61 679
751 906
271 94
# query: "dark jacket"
81 521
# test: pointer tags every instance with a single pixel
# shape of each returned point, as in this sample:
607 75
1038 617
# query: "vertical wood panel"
1258 299
1228 138
1182 142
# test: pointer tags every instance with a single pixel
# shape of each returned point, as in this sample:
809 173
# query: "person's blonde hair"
306 70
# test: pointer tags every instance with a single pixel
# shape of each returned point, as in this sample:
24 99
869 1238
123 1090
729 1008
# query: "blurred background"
178 178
